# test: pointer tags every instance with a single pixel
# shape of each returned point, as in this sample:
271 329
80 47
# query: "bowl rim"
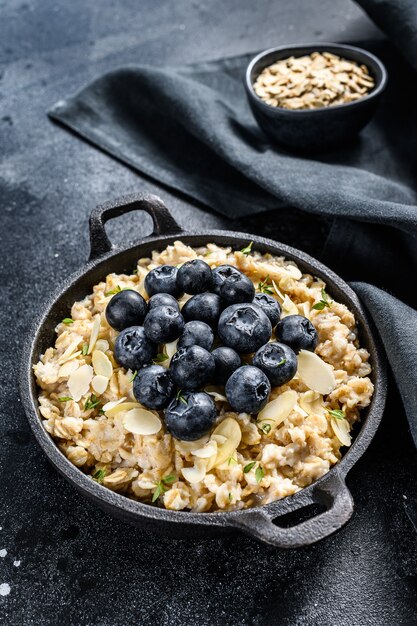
316 47
134 508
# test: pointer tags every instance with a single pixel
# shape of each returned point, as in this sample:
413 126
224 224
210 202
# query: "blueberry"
163 324
126 308
195 277
205 307
153 387
191 415
237 289
162 299
221 273
192 367
196 334
226 362
133 349
297 332
277 361
248 389
244 327
162 279
269 306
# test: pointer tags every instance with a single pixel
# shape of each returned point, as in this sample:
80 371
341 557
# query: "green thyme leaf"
321 304
99 475
85 349
135 271
101 412
113 291
160 358
160 486
337 413
266 428
132 378
91 403
65 399
248 467
67 321
259 473
282 362
230 497
248 249
265 286
180 397
231 460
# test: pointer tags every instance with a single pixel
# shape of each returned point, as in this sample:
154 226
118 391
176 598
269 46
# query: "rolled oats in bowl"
313 81
206 422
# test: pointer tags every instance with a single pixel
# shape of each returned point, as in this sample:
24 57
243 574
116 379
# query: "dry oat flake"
318 80
240 463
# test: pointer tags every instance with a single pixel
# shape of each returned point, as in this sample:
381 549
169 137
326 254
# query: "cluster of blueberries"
223 303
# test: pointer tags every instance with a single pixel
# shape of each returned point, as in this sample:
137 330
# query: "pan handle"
332 493
163 222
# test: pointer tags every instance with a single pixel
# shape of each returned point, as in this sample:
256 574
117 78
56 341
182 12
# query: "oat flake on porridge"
88 407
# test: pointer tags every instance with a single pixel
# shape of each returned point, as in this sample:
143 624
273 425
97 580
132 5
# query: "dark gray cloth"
191 128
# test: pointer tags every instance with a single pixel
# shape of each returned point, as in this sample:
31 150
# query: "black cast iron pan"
261 522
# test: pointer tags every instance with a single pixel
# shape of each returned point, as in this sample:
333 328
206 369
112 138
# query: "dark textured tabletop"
62 561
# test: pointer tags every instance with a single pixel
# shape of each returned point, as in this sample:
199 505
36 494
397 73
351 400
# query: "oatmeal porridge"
208 379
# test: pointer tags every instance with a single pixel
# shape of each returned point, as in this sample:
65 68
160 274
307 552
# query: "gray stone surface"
77 565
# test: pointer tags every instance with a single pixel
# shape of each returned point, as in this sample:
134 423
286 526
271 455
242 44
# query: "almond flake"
79 382
102 344
215 393
68 368
293 271
315 373
71 357
102 364
276 411
170 350
110 405
312 403
141 422
190 446
70 350
121 406
94 333
196 473
230 429
207 451
341 428
99 384
288 307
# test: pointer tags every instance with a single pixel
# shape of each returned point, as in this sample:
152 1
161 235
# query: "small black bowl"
315 129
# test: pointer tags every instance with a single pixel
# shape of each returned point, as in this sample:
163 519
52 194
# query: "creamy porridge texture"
87 403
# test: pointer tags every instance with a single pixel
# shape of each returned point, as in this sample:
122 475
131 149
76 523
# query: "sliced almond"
304 309
215 393
219 438
99 384
312 403
289 307
71 357
196 473
122 406
94 333
79 382
277 291
315 373
141 422
293 271
68 353
170 350
102 364
110 405
207 451
230 429
102 344
341 428
68 368
190 446
276 411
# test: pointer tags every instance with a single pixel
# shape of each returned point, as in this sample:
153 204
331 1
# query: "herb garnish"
161 486
248 467
266 428
231 460
337 413
259 473
180 397
248 249
132 378
321 304
265 286
282 362
65 399
91 403
85 349
67 321
230 497
160 358
99 475
113 291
